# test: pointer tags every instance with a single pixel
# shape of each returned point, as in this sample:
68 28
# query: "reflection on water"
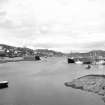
42 83
4 87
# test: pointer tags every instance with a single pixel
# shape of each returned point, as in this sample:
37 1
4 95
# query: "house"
2 51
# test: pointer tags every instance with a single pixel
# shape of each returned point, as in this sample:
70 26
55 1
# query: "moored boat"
88 67
78 62
100 62
70 60
3 84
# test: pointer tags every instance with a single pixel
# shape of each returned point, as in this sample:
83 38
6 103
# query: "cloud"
3 1
96 45
77 25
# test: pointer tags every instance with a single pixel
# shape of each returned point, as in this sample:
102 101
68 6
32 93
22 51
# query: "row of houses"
14 51
11 51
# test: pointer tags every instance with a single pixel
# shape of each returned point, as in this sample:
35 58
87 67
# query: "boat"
100 62
88 67
3 84
78 62
70 60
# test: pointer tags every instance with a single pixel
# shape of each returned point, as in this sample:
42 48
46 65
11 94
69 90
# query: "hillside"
96 53
46 52
28 51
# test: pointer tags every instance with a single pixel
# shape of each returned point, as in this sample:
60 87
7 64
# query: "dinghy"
88 67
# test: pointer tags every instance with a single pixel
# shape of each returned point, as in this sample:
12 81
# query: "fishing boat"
3 84
70 60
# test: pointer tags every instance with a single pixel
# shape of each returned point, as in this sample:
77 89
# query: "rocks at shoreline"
91 83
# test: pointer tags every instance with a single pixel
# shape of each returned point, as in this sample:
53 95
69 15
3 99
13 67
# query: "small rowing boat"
88 67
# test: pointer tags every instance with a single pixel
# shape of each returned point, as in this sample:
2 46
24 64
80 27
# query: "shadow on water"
1 88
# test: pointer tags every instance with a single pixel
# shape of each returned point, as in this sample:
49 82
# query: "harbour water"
42 83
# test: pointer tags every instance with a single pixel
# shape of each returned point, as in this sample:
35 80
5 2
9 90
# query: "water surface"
42 83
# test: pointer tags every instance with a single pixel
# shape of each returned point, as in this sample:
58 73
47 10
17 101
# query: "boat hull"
3 84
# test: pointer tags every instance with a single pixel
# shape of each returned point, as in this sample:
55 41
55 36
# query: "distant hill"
88 54
12 50
46 52
98 52
13 47
7 46
40 52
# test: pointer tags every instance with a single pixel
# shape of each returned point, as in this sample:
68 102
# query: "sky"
62 25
